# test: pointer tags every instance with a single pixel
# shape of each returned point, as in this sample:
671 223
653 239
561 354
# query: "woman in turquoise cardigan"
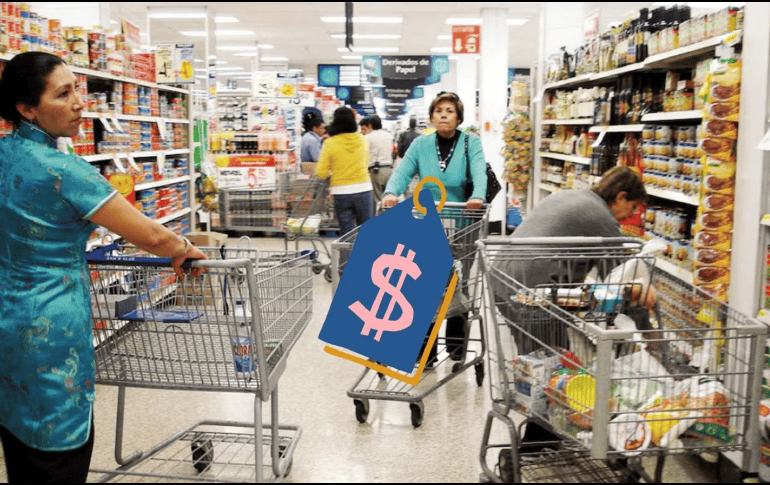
445 155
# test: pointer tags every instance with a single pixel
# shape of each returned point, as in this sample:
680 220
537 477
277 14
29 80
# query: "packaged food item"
723 111
719 148
711 275
711 239
724 81
719 128
724 94
716 184
718 292
717 202
687 134
663 133
711 257
715 221
712 427
648 133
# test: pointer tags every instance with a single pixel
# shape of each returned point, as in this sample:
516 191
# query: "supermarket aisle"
334 447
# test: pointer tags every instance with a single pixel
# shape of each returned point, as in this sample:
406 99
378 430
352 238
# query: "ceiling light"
517 22
296 70
227 69
274 59
364 20
266 46
177 15
352 58
199 60
212 57
464 21
225 19
201 77
246 54
148 47
441 50
234 33
369 49
369 36
235 48
193 33
221 63
444 37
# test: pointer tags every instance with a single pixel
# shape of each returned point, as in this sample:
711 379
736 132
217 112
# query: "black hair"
344 121
376 122
365 122
412 123
24 81
617 180
311 122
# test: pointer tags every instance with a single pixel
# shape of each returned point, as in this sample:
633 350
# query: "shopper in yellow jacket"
345 158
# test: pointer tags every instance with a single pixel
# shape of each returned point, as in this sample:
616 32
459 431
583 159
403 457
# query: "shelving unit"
578 121
566 158
617 129
673 116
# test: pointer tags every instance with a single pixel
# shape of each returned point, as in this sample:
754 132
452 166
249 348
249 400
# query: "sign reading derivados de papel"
406 67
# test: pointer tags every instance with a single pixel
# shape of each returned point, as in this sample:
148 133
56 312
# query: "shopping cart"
310 212
602 381
463 228
228 330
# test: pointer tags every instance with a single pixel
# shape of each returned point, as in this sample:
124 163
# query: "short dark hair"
365 122
617 180
376 122
313 123
24 81
412 123
344 121
452 98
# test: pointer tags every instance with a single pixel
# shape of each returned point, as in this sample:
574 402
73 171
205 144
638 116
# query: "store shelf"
162 183
674 116
674 270
175 215
765 220
764 316
549 187
146 119
149 154
577 121
663 60
617 129
673 196
566 158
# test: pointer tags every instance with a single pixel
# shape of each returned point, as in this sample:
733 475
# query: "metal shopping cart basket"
310 212
228 330
601 380
463 228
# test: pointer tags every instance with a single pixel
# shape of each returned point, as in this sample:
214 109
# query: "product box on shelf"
207 239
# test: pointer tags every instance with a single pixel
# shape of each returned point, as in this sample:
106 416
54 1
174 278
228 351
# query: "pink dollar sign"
407 266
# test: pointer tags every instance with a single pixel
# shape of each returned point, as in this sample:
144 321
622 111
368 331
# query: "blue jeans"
353 210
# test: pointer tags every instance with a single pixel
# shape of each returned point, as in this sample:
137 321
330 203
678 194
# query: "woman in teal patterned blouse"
50 202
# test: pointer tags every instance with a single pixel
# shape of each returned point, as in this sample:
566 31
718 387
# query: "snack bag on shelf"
711 275
719 129
712 240
718 148
718 178
724 82
711 257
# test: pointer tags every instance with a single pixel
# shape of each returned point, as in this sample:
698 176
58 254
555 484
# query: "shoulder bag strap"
467 162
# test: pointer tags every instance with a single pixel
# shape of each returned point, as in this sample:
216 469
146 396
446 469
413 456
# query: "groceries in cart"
305 225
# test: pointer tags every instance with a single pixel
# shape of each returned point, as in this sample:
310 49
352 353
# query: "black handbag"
493 186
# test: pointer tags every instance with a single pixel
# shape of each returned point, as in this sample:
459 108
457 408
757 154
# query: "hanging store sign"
334 75
265 85
287 85
406 67
466 39
132 33
252 171
174 64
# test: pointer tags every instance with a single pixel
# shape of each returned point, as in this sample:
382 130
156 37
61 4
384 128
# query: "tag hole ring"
416 200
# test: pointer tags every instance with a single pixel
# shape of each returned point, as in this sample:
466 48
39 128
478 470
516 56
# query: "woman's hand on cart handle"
474 204
388 201
190 252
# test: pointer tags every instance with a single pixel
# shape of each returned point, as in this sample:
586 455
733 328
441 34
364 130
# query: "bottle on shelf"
632 36
612 105
643 35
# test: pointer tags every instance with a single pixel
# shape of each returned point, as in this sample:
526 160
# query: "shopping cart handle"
102 255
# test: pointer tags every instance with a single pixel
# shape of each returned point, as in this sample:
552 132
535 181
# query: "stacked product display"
518 139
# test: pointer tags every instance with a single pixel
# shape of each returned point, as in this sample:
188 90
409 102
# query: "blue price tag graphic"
392 286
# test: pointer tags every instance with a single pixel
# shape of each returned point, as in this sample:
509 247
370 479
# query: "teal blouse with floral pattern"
46 340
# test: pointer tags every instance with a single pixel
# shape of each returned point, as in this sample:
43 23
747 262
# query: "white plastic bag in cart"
635 271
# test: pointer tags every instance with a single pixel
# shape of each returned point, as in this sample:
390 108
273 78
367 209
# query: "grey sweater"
569 213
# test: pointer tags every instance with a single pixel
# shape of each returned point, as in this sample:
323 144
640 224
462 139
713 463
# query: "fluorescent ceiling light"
233 33
226 19
199 60
193 33
177 15
274 59
369 49
364 20
227 69
266 46
369 36
352 58
245 54
201 77
445 50
296 70
236 48
212 57
221 63
517 22
148 47
444 37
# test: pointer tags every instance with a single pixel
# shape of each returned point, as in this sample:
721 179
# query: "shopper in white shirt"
380 159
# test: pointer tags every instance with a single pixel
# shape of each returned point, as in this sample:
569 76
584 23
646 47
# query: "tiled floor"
334 447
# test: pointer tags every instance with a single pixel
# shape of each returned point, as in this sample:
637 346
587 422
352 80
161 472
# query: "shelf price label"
118 163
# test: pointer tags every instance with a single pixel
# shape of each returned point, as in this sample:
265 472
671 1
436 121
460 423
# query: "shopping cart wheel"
281 453
457 367
505 464
317 267
290 236
202 453
418 409
362 409
328 274
479 373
